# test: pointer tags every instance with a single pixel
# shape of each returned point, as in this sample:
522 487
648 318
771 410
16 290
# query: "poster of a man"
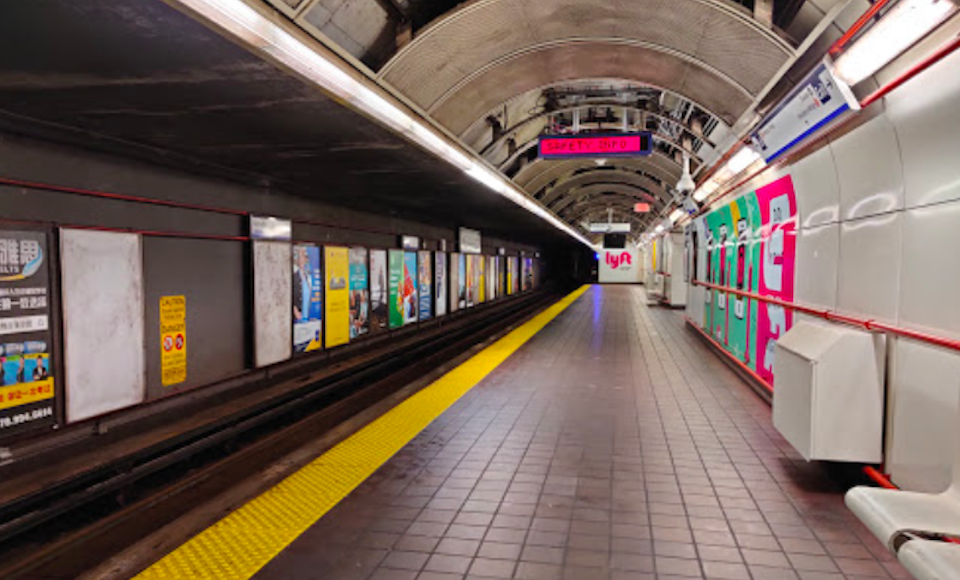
307 298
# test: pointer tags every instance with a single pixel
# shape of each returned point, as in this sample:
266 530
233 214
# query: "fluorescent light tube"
744 158
258 31
900 28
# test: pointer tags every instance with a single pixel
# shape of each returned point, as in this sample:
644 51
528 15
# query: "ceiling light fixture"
246 24
897 30
744 158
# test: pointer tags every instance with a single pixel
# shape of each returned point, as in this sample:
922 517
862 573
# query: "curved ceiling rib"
576 59
601 178
602 212
626 193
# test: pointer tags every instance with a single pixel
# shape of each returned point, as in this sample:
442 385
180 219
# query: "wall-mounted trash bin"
829 392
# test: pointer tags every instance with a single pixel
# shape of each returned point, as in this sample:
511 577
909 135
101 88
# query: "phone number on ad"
21 418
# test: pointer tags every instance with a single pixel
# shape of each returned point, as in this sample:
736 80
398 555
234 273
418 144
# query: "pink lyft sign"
606 145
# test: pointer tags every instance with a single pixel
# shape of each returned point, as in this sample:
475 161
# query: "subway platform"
611 444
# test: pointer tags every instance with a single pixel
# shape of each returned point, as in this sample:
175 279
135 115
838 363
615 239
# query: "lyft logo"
615 261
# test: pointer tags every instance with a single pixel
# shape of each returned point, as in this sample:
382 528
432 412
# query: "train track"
104 512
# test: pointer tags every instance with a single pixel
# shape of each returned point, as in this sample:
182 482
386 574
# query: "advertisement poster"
511 275
455 278
523 275
476 279
410 293
379 291
482 280
425 284
307 298
466 281
27 389
749 245
491 278
173 340
395 277
359 293
440 282
501 277
337 262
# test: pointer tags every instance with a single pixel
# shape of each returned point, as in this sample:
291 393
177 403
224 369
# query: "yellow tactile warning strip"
239 545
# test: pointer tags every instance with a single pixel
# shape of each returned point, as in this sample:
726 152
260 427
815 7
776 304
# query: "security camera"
686 185
690 206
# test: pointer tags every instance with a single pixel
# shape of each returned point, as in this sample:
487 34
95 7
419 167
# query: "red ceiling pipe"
857 26
928 61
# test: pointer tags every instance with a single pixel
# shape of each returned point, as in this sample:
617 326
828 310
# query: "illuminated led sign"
607 145
641 207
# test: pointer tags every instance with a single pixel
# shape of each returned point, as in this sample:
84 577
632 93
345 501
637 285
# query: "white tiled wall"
879 236
818 253
926 114
816 176
922 410
930 281
869 274
869 170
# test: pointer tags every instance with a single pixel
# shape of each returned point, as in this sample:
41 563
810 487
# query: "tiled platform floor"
613 445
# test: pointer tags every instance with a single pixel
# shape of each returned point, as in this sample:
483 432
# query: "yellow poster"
32 392
482 292
173 340
337 263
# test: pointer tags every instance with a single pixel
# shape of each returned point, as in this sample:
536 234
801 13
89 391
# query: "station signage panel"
470 241
270 228
605 145
411 243
819 99
610 228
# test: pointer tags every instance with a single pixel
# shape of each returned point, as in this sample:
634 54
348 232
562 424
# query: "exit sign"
606 145
641 208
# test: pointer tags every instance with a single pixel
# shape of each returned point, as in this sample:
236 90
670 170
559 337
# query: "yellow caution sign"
173 340
26 393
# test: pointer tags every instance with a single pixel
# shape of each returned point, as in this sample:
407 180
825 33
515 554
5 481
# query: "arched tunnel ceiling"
492 50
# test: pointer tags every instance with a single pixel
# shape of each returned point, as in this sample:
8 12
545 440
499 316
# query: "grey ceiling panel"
555 63
713 34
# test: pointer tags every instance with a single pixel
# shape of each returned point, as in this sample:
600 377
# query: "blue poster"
425 285
359 293
411 297
307 298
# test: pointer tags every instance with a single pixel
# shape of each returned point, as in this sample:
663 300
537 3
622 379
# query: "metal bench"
900 519
928 560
